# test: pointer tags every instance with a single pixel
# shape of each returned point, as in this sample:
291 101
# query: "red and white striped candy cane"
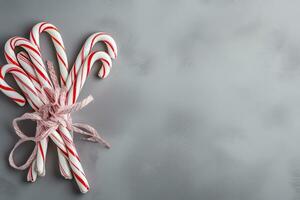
112 50
30 92
62 157
84 71
61 55
78 75
24 61
44 80
41 74
13 94
79 174
25 84
22 80
34 54
63 64
86 50
56 38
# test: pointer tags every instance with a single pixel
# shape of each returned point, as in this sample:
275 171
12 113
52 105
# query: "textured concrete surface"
202 103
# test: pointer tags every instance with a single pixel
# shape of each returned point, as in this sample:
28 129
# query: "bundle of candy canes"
52 98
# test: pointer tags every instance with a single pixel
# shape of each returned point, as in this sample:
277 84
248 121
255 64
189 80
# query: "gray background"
202 102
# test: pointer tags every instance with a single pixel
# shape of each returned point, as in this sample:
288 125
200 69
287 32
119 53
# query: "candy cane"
22 80
37 75
27 65
86 50
62 60
58 44
84 72
30 92
34 54
74 161
56 38
63 162
79 175
13 94
43 77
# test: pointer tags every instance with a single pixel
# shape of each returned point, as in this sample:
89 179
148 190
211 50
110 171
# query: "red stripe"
58 42
40 72
73 153
89 60
41 26
41 150
50 27
64 152
63 81
16 70
2 87
72 164
29 74
70 142
82 76
30 173
92 43
25 45
104 71
74 87
18 100
110 45
10 42
61 134
31 48
81 181
23 54
10 59
31 34
106 61
105 41
29 63
60 58
103 66
33 58
67 146
88 70
30 89
32 77
56 139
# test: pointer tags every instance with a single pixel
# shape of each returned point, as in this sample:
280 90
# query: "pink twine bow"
50 116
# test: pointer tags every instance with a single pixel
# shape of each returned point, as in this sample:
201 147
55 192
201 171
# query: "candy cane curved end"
106 63
7 89
57 40
84 71
108 41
